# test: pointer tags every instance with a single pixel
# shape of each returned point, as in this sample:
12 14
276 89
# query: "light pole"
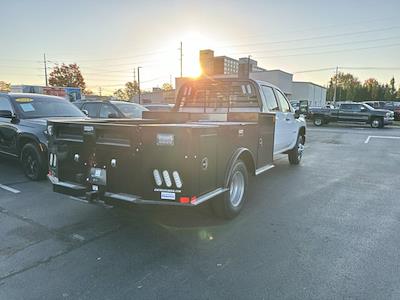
138 76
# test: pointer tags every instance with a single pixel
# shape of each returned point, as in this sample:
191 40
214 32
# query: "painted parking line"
10 189
381 137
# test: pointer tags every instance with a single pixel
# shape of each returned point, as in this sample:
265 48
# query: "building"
313 93
245 67
156 96
69 93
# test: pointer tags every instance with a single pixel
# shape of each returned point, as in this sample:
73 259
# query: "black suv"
23 128
111 109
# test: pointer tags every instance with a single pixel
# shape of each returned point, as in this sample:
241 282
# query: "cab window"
5 104
284 105
107 110
92 109
270 99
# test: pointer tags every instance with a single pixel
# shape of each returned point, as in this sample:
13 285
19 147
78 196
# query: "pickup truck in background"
352 113
219 132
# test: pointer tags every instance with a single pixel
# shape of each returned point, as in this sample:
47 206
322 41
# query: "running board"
264 169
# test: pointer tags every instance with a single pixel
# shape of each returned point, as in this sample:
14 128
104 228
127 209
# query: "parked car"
23 121
394 107
159 107
111 109
352 112
220 132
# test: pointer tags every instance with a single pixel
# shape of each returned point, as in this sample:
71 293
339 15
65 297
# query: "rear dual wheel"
229 204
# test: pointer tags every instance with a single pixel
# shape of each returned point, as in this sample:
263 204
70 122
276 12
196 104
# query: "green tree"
4 86
392 88
67 75
387 94
371 89
120 94
130 90
348 88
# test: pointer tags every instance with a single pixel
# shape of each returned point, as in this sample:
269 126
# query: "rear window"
45 107
218 94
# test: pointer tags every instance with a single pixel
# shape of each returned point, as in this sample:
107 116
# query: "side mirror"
297 113
85 112
112 116
6 114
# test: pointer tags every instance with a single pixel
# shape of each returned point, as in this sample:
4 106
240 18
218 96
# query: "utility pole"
335 90
138 76
181 59
45 68
100 91
134 75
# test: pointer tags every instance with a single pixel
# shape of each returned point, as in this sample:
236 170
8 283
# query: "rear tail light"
184 200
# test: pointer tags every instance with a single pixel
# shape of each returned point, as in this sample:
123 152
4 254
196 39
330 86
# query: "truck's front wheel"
295 155
318 121
377 123
230 203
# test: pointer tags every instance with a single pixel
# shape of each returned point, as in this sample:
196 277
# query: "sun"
192 43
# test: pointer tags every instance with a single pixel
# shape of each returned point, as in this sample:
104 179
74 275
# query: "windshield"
368 106
45 107
130 110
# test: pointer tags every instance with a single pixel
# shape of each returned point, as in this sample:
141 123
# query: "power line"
324 45
333 51
317 37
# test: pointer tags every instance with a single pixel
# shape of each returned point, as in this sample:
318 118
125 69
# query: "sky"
109 39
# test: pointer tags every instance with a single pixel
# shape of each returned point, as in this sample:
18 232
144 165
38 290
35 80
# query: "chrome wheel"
318 122
300 148
375 123
236 190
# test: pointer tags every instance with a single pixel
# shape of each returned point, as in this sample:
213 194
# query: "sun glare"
193 42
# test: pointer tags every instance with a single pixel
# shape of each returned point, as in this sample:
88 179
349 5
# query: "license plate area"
98 176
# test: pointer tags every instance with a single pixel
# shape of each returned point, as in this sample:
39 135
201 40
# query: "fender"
302 130
248 159
30 137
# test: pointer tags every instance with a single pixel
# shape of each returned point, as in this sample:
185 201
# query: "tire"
296 154
377 123
33 162
229 205
318 121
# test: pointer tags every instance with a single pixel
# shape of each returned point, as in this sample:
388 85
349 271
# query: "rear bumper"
78 190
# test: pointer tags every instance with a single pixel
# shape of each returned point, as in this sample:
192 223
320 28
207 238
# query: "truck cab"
227 95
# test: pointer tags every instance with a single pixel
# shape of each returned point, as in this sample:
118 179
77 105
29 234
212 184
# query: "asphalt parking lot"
326 229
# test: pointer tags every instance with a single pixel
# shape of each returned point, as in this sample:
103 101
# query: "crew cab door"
287 121
8 131
271 105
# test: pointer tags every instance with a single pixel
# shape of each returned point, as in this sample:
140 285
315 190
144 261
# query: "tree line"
350 88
